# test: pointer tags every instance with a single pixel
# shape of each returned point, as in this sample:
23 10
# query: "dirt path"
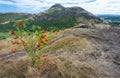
12 56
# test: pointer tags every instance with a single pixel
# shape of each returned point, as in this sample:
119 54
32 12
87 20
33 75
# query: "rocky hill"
57 15
57 12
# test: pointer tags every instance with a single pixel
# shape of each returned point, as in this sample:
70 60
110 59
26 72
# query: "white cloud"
5 2
103 7
94 6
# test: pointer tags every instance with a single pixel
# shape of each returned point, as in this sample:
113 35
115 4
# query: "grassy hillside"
7 20
11 17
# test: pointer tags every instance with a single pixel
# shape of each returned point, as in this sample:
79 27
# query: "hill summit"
67 17
57 6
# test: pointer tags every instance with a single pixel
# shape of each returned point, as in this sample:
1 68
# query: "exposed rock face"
79 53
81 26
87 53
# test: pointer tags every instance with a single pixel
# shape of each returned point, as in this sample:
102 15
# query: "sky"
36 6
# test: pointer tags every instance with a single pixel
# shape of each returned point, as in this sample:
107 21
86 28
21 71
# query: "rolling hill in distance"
114 20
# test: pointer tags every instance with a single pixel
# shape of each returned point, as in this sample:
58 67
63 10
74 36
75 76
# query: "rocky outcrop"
78 53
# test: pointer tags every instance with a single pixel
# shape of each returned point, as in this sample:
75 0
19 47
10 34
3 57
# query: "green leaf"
24 25
33 28
37 62
43 46
39 28
36 33
31 54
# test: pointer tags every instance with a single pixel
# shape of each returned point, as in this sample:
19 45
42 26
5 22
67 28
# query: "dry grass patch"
16 69
56 68
71 41
5 46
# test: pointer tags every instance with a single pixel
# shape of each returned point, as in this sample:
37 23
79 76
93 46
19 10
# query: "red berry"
42 42
12 33
38 69
46 41
13 50
13 43
42 37
17 43
19 24
38 45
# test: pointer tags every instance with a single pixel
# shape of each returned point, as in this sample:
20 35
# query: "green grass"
4 35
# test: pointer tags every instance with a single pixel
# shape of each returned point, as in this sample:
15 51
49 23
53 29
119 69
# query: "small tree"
32 42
